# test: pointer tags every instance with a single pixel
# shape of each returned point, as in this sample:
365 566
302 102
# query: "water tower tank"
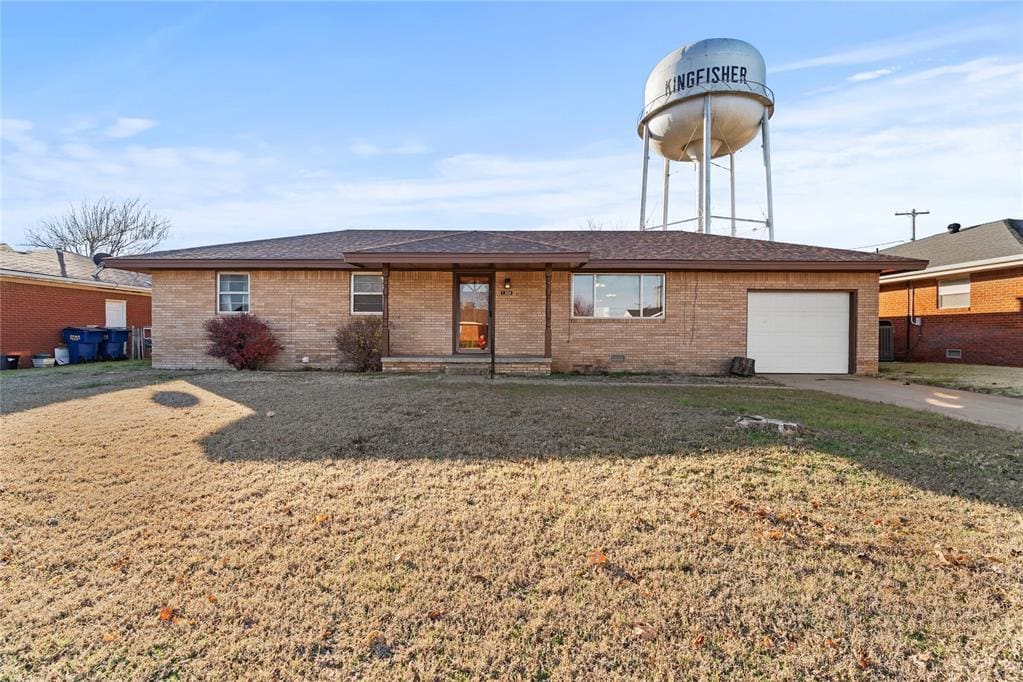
732 72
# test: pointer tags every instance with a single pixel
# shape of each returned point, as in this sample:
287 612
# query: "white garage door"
798 332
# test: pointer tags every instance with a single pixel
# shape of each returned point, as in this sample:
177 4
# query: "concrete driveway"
992 410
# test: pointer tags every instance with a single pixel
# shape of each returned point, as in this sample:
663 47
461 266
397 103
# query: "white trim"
124 308
664 296
351 294
957 269
247 292
95 284
955 283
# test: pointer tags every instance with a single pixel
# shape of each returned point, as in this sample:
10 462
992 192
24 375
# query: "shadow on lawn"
330 417
325 415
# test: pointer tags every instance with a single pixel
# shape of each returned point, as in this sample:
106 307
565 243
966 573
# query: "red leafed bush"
360 343
243 340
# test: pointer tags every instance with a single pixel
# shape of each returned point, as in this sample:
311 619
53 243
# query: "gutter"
957 268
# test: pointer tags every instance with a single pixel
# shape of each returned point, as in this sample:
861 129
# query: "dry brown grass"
173 529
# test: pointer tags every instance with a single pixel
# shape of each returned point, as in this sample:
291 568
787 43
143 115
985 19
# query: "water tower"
706 101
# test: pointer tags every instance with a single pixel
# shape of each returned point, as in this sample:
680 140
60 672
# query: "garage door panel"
798 331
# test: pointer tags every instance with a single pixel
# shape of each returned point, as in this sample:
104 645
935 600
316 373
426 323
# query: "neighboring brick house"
967 306
44 291
527 302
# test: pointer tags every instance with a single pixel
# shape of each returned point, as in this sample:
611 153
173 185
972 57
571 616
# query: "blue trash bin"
82 343
113 343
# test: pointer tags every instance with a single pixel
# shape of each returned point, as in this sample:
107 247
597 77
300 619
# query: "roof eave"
151 264
882 266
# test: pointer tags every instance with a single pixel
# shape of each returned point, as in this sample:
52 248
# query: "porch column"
386 345
547 312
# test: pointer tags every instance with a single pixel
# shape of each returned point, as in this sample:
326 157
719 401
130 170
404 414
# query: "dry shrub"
360 343
243 340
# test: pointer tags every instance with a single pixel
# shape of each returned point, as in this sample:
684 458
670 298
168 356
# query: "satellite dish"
98 258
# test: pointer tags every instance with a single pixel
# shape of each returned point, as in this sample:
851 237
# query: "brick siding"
704 323
32 315
303 307
989 332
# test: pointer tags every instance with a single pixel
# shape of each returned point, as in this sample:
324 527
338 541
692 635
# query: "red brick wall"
33 315
989 332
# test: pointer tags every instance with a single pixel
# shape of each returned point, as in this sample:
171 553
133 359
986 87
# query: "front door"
472 313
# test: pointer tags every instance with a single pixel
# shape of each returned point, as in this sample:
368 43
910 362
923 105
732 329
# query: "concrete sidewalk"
979 408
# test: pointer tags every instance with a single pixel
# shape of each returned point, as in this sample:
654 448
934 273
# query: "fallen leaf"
167 613
436 615
322 519
863 660
109 636
212 598
694 514
698 641
775 534
767 642
597 558
644 631
832 644
399 557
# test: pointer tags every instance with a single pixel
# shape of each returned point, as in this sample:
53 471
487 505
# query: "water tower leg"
646 163
699 196
731 187
664 207
705 167
765 133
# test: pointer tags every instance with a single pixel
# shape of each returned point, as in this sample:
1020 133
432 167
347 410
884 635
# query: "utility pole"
913 213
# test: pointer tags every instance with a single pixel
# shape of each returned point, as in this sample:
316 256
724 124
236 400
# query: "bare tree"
596 225
106 226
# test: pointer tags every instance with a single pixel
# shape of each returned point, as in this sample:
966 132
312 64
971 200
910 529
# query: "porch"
468 364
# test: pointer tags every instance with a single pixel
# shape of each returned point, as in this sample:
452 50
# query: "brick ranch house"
967 306
531 301
43 291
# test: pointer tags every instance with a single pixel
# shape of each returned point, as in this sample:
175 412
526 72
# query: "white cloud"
18 133
871 75
129 127
944 139
902 46
369 149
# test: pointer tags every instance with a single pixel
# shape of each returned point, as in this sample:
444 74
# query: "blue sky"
241 121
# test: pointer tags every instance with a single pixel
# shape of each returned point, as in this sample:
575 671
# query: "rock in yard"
755 421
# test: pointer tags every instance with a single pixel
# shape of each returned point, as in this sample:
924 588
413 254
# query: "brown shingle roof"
594 248
66 265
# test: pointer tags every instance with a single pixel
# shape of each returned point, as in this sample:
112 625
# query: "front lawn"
980 378
310 524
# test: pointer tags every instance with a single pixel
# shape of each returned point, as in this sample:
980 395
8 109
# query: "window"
232 292
618 296
367 293
954 293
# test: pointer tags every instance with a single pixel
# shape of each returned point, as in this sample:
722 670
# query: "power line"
913 213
